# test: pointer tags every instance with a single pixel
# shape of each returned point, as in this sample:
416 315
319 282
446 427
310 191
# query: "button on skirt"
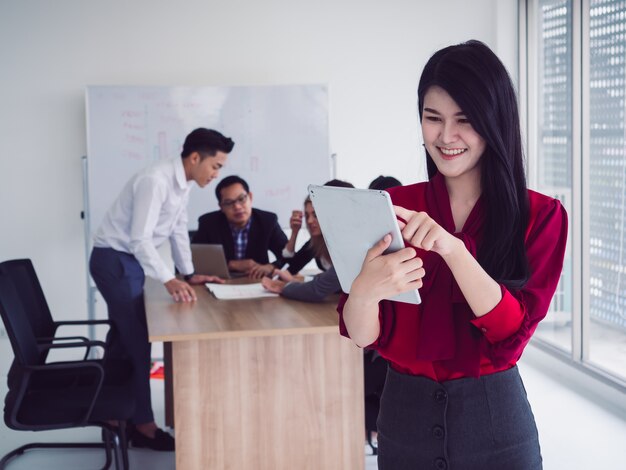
464 424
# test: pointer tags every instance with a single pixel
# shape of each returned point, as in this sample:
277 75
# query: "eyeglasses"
230 203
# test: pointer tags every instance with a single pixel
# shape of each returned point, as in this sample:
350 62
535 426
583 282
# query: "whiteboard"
280 133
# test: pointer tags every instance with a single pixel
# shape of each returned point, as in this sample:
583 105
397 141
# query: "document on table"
239 291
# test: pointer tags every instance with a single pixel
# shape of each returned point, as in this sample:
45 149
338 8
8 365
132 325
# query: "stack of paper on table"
239 291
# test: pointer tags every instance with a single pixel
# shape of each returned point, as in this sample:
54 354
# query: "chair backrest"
24 277
17 323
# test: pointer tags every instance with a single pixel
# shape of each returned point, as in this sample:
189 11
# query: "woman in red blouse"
489 257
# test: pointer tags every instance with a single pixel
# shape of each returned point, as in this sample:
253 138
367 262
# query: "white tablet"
352 221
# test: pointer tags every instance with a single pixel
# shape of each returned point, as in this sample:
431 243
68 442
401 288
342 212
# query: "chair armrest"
66 338
45 346
67 366
83 322
50 339
58 324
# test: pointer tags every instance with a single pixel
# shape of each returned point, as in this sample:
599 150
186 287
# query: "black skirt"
464 424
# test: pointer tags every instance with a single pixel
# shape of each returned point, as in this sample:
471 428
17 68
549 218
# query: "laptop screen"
209 259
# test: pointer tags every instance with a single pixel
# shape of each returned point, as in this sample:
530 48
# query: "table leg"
168 383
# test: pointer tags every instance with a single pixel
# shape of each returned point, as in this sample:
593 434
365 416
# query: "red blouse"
441 338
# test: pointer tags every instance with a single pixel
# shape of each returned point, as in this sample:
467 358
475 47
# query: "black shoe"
161 440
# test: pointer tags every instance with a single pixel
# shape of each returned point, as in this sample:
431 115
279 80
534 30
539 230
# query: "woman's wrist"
458 248
361 319
362 300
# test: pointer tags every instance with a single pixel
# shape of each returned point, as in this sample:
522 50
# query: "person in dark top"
487 254
384 182
246 233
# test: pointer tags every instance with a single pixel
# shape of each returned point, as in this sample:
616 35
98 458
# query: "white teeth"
451 151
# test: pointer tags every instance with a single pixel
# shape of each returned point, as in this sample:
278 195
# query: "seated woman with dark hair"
323 284
384 182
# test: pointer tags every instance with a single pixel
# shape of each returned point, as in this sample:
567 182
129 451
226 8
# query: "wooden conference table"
260 383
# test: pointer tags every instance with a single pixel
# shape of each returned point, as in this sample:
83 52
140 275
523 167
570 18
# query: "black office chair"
60 395
25 280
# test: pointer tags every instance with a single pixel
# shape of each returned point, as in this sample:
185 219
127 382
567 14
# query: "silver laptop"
209 259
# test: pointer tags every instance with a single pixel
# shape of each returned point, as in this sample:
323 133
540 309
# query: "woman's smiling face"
455 147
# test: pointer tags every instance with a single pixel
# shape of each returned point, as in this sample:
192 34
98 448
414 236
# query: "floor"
576 433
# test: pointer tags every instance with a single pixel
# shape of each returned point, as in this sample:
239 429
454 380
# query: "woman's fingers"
413 285
397 258
268 284
412 264
379 248
430 238
386 275
415 226
412 226
424 229
402 255
403 213
423 232
272 285
419 229
411 270
416 275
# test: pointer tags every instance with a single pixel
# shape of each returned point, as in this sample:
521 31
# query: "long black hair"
479 84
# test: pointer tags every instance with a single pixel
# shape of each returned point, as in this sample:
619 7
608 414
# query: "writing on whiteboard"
278 192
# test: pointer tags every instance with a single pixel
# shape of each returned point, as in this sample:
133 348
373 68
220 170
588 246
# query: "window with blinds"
554 144
587 38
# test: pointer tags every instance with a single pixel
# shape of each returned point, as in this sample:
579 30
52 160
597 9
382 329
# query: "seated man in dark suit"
245 233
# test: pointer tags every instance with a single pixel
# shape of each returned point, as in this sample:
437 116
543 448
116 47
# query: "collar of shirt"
238 231
179 173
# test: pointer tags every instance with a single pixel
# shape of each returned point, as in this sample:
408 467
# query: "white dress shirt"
151 208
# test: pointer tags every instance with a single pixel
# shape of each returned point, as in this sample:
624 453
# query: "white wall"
369 52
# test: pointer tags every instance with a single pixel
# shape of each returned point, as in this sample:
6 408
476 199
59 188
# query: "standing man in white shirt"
151 209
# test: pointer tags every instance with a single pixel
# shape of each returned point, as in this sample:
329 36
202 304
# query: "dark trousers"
120 280
464 424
